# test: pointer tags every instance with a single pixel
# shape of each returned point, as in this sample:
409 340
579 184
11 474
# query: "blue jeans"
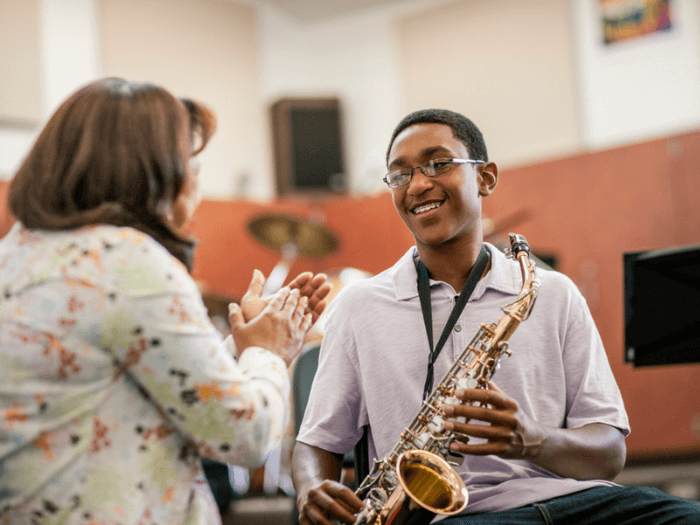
614 505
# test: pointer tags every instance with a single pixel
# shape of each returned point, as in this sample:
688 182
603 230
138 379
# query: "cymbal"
279 231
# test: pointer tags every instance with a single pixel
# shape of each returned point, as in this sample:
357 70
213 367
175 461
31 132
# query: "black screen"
316 149
662 306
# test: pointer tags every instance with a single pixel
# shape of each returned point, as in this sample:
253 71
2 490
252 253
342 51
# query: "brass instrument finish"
416 480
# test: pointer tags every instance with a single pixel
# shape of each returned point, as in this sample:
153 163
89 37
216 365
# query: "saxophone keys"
390 480
489 328
445 390
421 440
504 348
436 425
454 458
467 382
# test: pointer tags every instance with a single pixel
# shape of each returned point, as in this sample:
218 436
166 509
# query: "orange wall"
588 210
372 237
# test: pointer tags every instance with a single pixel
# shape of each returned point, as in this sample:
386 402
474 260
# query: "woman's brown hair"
115 153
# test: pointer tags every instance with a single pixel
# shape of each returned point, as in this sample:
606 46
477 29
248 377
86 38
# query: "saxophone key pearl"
467 382
451 401
421 440
436 425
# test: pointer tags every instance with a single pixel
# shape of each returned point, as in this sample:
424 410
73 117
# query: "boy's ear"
488 178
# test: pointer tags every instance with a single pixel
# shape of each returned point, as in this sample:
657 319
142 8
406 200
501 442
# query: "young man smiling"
550 437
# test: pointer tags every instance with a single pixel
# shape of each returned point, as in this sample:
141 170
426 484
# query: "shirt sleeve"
332 420
162 339
593 395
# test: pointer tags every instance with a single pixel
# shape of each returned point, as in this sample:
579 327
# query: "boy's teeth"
427 207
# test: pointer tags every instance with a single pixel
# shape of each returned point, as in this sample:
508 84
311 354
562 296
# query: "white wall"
206 50
20 98
70 49
505 64
351 58
633 91
69 59
642 88
14 145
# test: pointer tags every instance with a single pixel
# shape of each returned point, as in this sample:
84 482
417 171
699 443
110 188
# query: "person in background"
545 444
113 380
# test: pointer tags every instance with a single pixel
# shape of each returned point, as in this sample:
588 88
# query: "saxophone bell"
429 486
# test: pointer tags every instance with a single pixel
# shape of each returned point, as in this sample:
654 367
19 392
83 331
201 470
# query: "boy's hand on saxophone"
505 430
321 498
592 451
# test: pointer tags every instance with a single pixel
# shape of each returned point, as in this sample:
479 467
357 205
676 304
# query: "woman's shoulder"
118 245
137 258
118 256
102 237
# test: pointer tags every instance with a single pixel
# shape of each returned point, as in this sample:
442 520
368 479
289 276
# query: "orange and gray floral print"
114 383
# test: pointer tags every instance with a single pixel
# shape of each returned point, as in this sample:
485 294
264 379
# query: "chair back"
302 378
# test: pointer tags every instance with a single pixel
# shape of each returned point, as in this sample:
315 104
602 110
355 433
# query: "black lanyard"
424 294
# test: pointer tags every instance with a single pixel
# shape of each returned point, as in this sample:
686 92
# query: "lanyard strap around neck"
424 294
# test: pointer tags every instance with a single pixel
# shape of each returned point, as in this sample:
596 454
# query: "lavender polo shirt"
374 359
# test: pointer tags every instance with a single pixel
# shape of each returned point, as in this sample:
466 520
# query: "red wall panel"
590 209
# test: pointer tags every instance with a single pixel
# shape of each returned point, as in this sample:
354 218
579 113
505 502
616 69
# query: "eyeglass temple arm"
467 161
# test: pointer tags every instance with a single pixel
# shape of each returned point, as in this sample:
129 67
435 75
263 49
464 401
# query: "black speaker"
662 319
308 146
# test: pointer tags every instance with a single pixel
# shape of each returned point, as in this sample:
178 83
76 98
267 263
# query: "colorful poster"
626 19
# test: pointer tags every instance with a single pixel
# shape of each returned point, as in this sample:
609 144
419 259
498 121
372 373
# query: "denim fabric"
613 505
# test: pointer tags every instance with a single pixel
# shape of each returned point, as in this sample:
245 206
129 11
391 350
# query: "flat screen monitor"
662 306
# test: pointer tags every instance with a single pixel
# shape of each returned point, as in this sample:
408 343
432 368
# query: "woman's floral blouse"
113 383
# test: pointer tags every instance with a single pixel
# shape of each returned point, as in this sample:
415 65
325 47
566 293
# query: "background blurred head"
116 152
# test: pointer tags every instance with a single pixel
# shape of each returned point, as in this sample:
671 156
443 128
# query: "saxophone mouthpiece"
518 244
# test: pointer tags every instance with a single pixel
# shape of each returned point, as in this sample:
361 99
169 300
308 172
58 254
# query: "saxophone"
416 480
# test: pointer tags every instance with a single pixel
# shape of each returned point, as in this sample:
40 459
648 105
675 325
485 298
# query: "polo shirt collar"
503 276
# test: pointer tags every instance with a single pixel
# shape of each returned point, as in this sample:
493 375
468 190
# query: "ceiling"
313 10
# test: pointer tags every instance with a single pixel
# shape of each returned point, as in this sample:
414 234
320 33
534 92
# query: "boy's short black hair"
463 128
